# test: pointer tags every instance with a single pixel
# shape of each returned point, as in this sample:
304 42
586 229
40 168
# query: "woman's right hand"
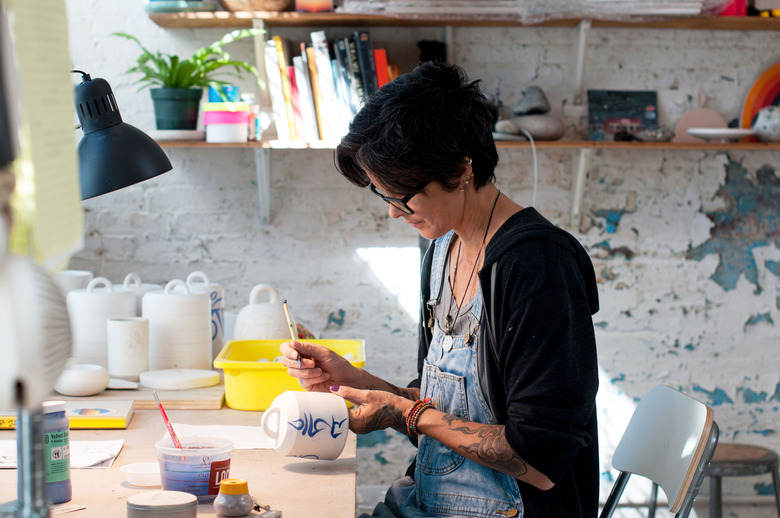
316 367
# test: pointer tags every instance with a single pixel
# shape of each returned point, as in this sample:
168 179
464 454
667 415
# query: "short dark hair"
420 128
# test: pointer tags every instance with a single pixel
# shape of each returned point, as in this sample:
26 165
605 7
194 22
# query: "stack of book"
316 92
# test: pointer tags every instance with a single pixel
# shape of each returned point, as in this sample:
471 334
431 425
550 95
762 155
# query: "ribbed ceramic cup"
128 347
198 282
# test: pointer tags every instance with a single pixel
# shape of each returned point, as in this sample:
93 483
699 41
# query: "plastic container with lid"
56 444
233 498
158 504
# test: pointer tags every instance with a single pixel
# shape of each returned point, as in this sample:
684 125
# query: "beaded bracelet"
414 415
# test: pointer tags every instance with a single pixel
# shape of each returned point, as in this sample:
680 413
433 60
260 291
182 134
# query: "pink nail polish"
334 388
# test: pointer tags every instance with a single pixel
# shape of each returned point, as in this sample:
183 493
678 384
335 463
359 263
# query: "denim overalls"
445 483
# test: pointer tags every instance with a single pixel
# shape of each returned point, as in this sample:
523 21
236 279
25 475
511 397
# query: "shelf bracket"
583 29
580 174
263 169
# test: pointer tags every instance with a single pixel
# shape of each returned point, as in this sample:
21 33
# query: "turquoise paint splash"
716 397
619 377
750 396
756 319
338 321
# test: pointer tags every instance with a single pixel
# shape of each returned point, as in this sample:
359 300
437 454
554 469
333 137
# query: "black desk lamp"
112 153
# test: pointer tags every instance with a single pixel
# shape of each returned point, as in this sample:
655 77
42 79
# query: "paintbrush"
168 424
291 323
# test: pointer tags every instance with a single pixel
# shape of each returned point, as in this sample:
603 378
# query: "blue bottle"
56 451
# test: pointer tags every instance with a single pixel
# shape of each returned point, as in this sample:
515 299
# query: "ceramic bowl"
142 474
82 380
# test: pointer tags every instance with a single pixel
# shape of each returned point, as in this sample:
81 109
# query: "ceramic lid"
162 500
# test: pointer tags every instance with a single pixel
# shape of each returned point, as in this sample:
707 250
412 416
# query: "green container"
176 108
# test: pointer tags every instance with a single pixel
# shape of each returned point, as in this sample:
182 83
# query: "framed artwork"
614 111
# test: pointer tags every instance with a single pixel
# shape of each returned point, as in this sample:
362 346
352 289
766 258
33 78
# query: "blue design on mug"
311 426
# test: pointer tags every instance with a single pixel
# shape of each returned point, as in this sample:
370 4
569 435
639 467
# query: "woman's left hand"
374 409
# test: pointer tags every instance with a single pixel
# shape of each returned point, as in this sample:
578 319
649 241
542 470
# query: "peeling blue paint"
751 396
690 347
602 325
619 377
774 267
764 432
372 439
764 489
612 252
750 219
380 458
761 317
612 218
716 397
776 395
338 321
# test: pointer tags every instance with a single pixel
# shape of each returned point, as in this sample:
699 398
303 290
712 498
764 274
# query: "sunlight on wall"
398 269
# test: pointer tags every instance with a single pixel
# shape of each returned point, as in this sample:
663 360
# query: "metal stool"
733 460
737 460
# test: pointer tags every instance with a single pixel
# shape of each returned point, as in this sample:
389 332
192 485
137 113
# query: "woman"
504 404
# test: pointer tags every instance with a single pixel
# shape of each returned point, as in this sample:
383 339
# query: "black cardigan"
540 374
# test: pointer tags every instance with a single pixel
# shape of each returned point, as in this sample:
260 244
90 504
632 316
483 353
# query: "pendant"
447 343
448 324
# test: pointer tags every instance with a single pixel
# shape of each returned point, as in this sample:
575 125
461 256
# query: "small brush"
291 323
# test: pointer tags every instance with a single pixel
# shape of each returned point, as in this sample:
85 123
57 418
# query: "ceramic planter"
176 108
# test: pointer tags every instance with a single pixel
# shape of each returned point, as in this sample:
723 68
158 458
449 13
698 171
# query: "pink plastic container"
241 117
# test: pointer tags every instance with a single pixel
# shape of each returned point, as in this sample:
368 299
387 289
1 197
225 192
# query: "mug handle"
266 420
195 276
254 295
132 279
97 281
176 283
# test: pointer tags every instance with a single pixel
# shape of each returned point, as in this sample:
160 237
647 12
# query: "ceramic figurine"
532 101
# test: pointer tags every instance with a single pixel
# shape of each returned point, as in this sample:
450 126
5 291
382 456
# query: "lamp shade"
112 153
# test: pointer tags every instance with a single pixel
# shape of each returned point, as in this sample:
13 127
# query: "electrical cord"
536 170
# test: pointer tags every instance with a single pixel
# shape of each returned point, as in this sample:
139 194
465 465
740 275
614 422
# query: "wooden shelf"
243 19
503 144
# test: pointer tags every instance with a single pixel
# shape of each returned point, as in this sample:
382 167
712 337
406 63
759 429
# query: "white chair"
670 440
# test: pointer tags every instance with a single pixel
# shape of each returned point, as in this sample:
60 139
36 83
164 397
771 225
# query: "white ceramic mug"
217 298
88 310
128 347
73 279
133 284
179 327
311 425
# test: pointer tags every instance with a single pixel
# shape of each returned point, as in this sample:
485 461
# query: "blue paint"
751 396
774 267
338 321
776 395
612 218
716 397
372 439
602 325
755 319
750 218
620 377
690 347
764 432
764 488
380 458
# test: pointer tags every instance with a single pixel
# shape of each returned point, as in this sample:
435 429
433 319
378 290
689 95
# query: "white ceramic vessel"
261 320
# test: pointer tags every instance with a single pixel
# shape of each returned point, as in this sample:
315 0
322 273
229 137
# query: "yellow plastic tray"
252 385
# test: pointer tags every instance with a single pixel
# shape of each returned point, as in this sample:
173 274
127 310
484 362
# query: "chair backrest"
669 440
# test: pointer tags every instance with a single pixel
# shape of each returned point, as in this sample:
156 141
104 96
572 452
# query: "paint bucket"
196 468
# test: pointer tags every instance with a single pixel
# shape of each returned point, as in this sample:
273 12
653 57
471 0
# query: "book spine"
382 72
327 84
274 77
317 94
308 114
345 68
365 54
296 102
286 89
355 68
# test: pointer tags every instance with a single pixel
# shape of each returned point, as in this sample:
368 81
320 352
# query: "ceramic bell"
261 320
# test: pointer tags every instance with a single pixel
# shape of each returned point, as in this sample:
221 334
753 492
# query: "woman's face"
436 210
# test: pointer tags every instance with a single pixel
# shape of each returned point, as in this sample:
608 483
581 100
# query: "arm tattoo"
489 447
387 417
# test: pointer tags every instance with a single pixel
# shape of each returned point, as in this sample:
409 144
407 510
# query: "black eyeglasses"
398 203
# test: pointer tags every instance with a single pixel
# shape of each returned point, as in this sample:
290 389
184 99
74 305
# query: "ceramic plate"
720 133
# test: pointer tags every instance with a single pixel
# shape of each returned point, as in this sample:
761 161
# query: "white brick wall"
663 320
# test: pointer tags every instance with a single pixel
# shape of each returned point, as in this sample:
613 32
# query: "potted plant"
176 84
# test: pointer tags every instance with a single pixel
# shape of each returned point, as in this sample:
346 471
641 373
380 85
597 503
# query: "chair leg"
653 501
776 483
715 497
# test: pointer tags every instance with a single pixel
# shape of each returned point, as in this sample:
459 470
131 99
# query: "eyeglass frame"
399 203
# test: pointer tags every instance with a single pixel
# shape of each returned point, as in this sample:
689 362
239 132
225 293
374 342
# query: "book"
309 131
85 414
382 68
355 70
296 101
334 116
274 78
319 102
281 50
365 54
341 47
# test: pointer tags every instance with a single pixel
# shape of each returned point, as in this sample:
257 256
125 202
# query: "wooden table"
300 488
